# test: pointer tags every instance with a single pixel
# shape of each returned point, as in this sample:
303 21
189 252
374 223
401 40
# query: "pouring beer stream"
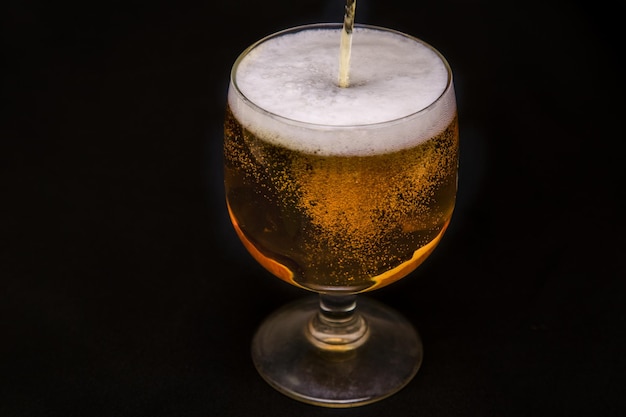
346 44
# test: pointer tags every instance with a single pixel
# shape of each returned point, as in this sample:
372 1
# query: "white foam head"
285 89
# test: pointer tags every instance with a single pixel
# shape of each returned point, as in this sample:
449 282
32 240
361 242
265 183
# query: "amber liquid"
339 223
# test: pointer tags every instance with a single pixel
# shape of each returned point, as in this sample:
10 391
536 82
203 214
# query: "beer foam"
400 91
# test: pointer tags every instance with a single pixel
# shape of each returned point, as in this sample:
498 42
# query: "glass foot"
384 363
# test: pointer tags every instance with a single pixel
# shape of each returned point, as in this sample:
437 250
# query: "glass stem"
337 326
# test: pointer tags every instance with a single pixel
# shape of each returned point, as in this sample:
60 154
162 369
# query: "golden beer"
347 221
340 222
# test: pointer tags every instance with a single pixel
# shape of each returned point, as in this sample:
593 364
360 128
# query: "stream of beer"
346 44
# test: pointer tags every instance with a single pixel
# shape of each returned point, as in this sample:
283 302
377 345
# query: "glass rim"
334 25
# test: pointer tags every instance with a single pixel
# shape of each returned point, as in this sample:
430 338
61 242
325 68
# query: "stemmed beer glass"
340 191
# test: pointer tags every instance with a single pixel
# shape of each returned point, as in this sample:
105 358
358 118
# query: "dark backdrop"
123 289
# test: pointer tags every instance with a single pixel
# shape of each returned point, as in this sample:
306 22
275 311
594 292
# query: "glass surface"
340 191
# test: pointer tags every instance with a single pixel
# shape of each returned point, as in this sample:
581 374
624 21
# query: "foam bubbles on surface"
295 76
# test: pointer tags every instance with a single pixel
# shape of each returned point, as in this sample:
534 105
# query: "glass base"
379 367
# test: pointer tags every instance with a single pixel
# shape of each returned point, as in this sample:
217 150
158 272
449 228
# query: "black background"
123 289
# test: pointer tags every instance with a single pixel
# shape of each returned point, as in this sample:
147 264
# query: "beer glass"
339 191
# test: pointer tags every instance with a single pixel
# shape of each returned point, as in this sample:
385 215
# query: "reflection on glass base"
380 367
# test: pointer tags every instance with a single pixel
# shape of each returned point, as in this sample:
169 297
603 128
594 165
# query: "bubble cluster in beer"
340 221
